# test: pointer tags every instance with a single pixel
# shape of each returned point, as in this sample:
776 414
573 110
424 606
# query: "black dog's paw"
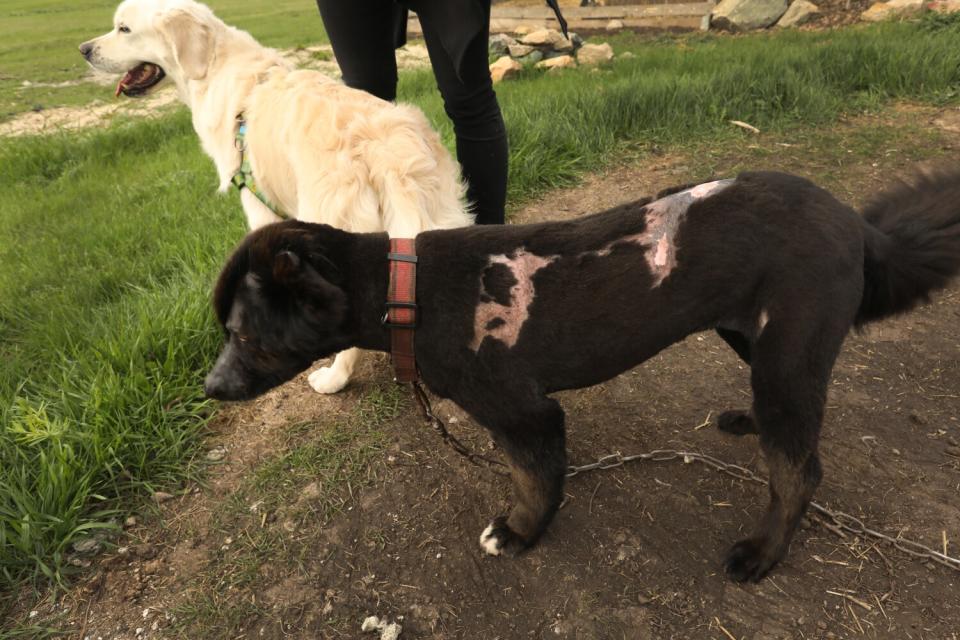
739 423
498 539
749 561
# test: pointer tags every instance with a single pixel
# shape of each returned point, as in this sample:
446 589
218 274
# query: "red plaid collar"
401 316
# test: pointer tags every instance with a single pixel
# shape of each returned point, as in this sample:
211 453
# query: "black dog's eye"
123 29
242 338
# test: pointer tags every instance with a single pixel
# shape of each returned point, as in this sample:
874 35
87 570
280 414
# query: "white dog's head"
152 39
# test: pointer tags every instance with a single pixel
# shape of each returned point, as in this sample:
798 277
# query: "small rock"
162 496
892 9
559 62
614 25
87 547
519 50
542 37
130 522
499 44
564 45
644 600
594 54
800 11
152 567
311 492
217 454
391 632
531 58
505 68
821 625
145 551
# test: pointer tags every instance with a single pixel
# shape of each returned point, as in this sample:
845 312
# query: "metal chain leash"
837 520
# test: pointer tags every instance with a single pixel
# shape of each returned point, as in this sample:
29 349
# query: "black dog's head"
279 300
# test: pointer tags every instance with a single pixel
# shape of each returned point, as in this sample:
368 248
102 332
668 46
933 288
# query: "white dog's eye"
123 29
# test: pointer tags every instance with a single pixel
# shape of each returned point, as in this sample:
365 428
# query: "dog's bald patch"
501 314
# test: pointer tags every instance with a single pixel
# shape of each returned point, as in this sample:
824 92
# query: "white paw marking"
762 320
328 380
489 543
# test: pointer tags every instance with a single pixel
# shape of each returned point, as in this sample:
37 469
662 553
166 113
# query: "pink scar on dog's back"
503 322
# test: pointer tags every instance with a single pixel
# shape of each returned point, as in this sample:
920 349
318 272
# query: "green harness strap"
243 178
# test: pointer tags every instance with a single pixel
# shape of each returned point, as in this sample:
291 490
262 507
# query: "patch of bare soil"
634 553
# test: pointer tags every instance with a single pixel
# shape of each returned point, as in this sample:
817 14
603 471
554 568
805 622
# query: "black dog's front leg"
532 437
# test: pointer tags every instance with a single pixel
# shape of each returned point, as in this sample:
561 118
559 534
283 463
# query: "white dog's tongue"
124 81
139 75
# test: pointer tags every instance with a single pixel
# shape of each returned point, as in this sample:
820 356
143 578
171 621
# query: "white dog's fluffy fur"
320 151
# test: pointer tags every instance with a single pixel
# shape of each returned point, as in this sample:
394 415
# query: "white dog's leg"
258 214
335 377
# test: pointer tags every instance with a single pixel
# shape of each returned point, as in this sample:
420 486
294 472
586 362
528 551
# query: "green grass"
40 40
109 241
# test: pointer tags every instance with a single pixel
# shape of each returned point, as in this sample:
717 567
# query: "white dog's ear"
191 41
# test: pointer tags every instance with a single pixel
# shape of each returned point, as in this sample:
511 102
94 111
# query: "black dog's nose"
86 49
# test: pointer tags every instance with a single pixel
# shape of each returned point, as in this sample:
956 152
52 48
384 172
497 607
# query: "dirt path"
324 511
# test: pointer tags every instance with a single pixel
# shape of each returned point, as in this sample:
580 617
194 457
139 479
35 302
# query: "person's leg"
362 35
471 104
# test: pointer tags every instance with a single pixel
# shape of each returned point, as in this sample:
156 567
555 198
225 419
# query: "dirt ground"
634 553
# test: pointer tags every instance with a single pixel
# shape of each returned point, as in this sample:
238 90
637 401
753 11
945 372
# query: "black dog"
509 314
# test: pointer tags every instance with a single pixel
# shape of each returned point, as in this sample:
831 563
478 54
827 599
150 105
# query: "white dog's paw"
328 380
490 542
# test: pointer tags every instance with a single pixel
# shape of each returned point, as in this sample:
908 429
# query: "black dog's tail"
912 244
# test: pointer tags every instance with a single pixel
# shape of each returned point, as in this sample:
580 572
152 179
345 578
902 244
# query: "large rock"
499 43
519 50
542 37
893 9
504 68
594 54
799 12
743 15
559 62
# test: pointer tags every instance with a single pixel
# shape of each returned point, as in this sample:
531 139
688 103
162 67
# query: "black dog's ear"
286 266
326 267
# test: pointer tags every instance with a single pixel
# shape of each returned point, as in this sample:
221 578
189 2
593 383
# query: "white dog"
317 150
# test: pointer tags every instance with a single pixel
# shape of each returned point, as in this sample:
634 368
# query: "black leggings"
362 35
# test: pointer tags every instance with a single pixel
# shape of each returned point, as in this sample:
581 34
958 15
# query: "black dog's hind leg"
736 422
533 440
791 367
